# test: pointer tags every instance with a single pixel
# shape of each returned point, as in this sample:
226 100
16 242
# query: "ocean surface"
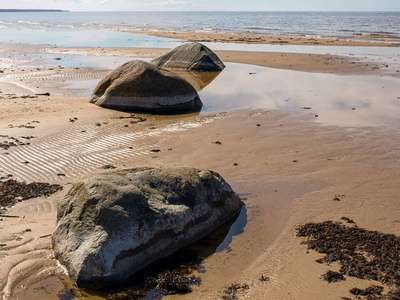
25 26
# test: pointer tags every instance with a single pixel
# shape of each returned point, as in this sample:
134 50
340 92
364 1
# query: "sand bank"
320 63
264 39
286 168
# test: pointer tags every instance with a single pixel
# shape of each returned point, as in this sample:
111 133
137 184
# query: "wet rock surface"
190 56
141 86
360 253
112 224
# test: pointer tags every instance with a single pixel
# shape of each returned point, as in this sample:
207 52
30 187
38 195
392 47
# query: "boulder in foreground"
141 86
112 224
190 56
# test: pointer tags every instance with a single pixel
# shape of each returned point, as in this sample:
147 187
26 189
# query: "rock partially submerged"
190 56
112 224
140 86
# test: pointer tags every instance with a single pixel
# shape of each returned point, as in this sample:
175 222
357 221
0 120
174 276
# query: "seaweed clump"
332 276
231 291
165 283
13 191
360 253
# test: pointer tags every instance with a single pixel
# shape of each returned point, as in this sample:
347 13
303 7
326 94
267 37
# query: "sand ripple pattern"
52 80
85 148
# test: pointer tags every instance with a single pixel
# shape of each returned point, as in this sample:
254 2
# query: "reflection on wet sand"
199 80
333 99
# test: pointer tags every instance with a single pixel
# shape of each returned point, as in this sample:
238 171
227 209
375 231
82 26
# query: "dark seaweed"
361 253
231 291
12 191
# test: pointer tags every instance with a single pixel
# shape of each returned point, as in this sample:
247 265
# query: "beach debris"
108 167
72 120
360 253
132 116
230 292
217 143
264 278
43 94
141 86
305 107
337 197
13 191
173 282
190 56
13 142
155 150
159 285
258 125
130 218
45 236
332 276
28 97
350 221
374 290
235 164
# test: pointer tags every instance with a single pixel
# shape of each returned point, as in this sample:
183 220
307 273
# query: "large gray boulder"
141 86
112 224
190 56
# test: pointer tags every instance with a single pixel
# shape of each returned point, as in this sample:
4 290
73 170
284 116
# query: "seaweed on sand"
12 191
360 253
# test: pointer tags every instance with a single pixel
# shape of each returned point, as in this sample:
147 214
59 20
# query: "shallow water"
340 100
336 99
83 37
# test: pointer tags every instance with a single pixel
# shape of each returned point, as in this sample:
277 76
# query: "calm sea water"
324 24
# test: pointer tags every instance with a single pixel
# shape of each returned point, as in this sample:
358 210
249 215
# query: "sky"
205 5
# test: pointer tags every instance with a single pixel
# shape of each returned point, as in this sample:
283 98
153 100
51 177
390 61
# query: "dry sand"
288 170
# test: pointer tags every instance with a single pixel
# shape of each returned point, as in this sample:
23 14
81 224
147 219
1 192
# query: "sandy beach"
287 168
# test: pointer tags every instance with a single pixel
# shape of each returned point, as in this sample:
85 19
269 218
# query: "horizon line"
69 10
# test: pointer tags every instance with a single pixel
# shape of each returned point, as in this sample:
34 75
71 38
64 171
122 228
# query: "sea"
72 28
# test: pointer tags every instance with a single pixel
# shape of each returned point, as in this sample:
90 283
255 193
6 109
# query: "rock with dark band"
141 86
114 223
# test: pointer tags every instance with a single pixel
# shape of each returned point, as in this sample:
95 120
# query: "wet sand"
334 64
366 40
286 168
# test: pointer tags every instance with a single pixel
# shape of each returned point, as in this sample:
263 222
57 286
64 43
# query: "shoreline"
268 39
286 167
